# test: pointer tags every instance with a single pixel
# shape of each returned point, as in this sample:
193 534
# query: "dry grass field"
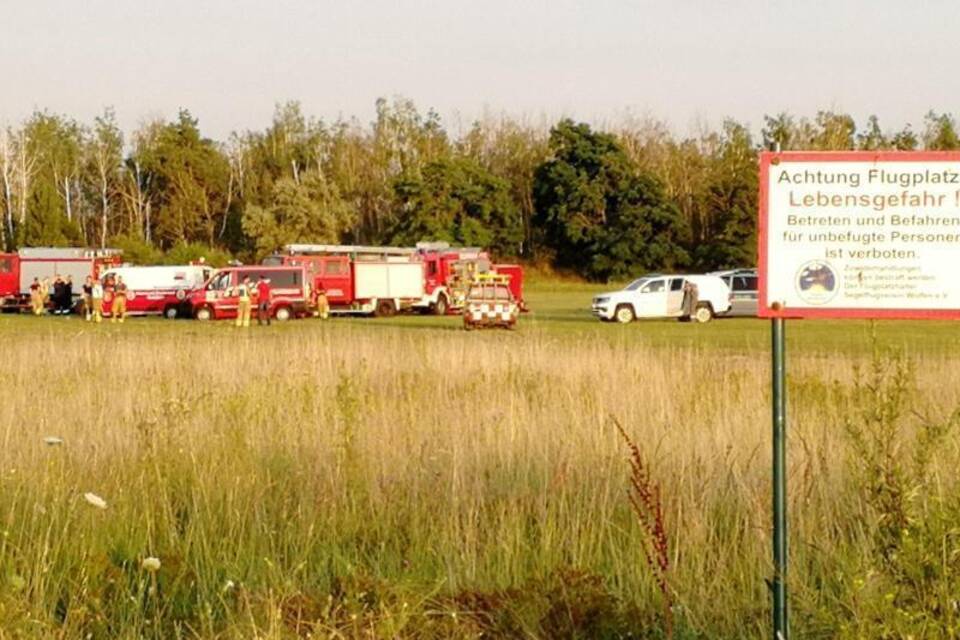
405 479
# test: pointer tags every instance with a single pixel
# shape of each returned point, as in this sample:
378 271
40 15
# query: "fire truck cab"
290 292
447 272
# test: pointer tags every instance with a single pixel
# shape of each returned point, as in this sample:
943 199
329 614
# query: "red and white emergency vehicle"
17 270
156 290
450 271
446 275
290 292
360 280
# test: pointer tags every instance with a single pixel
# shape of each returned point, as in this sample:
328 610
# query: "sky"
686 63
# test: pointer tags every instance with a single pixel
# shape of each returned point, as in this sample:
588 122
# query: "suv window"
653 287
744 283
676 284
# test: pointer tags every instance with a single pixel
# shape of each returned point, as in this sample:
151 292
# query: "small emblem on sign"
816 282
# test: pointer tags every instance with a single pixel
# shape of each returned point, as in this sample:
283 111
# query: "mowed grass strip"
404 478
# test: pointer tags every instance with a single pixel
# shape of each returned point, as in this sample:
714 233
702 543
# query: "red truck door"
336 279
9 276
433 273
215 295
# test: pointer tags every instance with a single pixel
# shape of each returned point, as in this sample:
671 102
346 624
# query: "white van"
159 290
661 296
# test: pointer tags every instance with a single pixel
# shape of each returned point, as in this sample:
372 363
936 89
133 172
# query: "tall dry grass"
352 481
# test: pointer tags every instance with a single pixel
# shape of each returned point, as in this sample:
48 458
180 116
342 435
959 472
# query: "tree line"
604 204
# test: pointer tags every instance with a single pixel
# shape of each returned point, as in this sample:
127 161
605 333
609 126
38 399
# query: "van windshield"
636 284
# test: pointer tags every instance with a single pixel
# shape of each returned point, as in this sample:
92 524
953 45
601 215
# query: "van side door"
675 297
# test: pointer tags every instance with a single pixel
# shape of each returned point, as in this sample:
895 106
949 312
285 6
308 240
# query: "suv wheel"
703 313
624 314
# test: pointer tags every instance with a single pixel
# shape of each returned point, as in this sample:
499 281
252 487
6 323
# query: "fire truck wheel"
385 309
204 313
440 308
282 314
170 313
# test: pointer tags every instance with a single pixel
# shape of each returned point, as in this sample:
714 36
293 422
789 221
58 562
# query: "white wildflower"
151 564
52 441
95 500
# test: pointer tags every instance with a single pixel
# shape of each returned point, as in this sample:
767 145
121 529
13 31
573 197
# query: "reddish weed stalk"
646 502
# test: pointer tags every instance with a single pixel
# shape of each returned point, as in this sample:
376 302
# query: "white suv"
663 296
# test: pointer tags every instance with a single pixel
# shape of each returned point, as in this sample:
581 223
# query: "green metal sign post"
781 630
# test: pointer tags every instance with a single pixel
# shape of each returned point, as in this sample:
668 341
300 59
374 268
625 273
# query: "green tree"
187 176
103 160
730 203
310 210
941 132
459 201
598 214
872 138
53 206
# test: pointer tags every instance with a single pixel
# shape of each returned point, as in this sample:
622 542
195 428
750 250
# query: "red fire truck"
17 270
290 291
156 290
360 280
451 270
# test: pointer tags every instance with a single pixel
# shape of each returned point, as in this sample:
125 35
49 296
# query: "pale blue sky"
231 61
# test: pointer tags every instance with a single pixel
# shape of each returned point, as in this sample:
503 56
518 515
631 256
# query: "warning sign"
860 234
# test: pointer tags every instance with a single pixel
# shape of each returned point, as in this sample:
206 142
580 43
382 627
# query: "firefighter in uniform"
323 304
36 297
88 298
118 310
96 302
243 303
44 294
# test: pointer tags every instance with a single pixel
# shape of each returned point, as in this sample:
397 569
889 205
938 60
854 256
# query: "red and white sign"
859 234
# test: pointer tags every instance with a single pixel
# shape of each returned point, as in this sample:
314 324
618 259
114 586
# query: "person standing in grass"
690 295
88 298
118 310
243 303
44 294
263 301
66 301
96 302
36 298
57 295
323 305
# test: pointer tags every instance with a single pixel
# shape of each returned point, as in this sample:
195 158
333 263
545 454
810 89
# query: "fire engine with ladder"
381 281
17 270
